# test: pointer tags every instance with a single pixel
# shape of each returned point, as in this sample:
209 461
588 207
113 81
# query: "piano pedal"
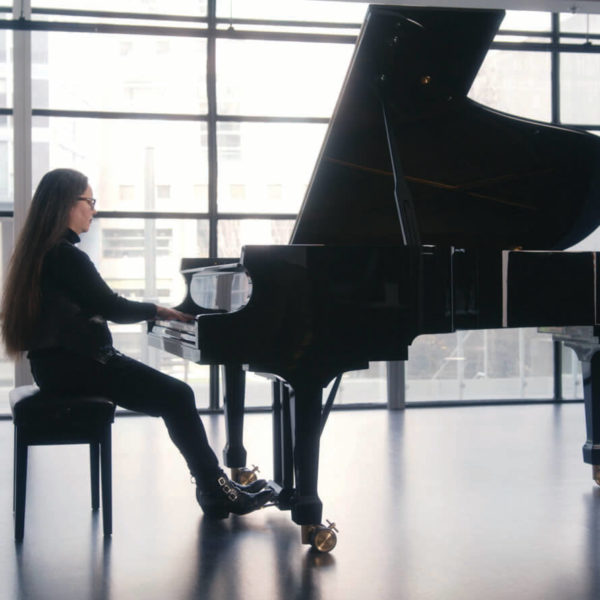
322 538
596 473
244 475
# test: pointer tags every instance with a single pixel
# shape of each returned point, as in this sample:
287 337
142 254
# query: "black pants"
138 387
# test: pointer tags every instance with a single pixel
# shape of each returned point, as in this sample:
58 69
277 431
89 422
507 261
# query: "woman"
55 307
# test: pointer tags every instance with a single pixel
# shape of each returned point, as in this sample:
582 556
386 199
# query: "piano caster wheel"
596 473
244 475
322 538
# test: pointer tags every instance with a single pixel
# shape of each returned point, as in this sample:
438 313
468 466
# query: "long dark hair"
46 223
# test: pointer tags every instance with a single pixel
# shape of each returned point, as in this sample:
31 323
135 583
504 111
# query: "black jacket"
76 303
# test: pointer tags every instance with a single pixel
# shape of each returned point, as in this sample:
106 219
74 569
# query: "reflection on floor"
465 503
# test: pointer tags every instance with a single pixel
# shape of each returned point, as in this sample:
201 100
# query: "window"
135 73
233 234
272 156
523 92
126 243
175 7
280 78
580 96
125 158
479 365
296 10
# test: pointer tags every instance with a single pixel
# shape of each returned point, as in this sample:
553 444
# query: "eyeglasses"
90 201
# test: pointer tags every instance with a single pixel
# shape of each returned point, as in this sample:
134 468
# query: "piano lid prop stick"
330 399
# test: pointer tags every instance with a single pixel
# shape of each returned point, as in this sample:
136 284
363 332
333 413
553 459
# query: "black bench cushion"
32 407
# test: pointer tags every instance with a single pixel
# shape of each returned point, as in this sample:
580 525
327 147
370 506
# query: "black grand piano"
426 213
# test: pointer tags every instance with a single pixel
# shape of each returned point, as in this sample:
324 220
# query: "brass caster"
244 475
596 473
322 538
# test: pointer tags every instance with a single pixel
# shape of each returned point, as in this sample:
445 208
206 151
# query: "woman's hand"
170 314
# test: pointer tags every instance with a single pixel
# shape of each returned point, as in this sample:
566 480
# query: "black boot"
224 497
251 488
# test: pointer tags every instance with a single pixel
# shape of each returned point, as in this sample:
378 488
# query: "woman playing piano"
55 307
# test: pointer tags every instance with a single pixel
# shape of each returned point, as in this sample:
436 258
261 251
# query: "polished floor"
456 503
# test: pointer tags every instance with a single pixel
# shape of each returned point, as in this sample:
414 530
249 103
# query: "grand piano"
426 213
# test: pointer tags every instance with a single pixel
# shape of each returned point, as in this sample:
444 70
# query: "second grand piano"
426 213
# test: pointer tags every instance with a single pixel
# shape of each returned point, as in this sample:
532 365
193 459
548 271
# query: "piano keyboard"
177 330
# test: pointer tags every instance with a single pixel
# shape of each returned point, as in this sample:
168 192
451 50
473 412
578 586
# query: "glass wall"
502 364
199 123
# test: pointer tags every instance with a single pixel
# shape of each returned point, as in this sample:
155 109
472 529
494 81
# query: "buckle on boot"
230 492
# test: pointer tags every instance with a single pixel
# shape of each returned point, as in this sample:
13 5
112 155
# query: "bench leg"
106 468
95 474
20 483
14 468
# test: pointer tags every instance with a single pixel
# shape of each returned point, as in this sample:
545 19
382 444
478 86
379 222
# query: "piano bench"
42 418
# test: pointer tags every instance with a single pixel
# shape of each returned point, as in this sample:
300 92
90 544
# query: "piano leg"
283 461
234 453
277 433
590 368
307 508
305 405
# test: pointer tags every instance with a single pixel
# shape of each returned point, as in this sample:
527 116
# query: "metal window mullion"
555 70
154 30
211 94
117 15
211 124
21 142
555 108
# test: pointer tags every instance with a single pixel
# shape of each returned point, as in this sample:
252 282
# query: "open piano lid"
469 175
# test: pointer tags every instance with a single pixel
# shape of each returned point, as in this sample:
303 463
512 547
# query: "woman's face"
82 212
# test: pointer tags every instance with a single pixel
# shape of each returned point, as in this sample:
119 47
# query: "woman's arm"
170 314
75 273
